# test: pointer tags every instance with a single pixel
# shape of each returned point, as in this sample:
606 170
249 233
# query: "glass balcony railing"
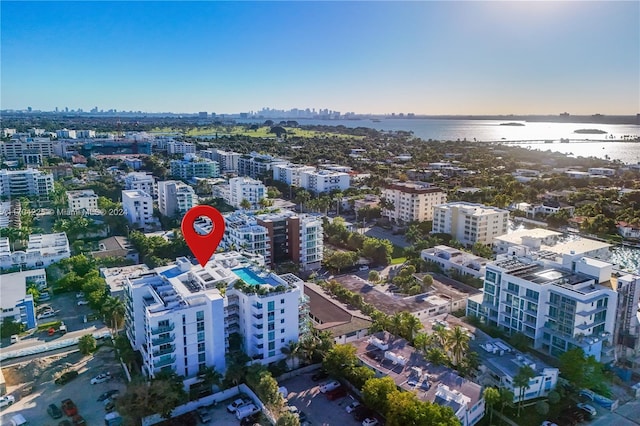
164 361
163 329
163 340
164 351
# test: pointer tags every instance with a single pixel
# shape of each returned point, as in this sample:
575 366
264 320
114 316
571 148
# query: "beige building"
470 223
83 200
412 201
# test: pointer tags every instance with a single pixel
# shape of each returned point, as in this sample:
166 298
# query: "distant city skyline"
426 58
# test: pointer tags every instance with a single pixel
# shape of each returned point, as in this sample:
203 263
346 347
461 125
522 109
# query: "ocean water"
532 134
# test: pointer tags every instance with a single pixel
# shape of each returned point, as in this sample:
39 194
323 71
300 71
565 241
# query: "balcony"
258 326
164 351
164 361
258 336
163 340
258 316
163 329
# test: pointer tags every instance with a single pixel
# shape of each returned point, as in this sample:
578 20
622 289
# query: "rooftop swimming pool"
251 278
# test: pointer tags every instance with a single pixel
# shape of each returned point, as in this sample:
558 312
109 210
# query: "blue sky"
368 57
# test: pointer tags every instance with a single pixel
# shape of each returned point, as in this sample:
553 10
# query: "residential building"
180 147
10 214
601 171
242 232
17 305
140 181
371 201
412 201
28 150
470 223
627 330
324 181
138 208
245 188
294 237
42 250
500 363
547 207
257 165
629 231
18 183
449 258
66 134
392 356
85 200
85 134
117 246
227 160
134 162
116 278
180 321
555 306
175 198
188 169
290 173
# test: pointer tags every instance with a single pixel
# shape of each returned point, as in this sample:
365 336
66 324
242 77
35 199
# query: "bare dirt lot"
41 373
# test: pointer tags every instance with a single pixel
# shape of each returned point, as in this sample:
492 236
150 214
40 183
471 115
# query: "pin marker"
203 246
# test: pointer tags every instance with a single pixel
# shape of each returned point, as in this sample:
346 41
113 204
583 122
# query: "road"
626 415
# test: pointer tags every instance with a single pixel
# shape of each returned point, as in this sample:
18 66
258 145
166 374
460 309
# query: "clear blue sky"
368 57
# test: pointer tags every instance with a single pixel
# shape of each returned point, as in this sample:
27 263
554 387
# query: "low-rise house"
630 231
451 258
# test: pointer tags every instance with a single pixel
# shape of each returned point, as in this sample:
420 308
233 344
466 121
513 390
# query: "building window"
282 321
282 331
272 346
200 347
200 316
201 357
201 336
282 311
281 301
271 306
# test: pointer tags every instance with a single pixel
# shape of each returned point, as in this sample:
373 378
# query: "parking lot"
305 394
34 406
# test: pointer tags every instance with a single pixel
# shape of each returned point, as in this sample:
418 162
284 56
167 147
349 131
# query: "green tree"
377 250
288 419
521 382
245 204
458 344
114 309
491 398
375 392
482 250
339 359
87 344
339 260
291 350
374 277
506 398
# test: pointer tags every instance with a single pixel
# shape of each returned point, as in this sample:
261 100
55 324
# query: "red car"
69 407
78 420
338 392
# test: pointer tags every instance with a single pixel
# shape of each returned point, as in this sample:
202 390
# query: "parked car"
7 400
19 420
54 411
82 302
361 413
204 415
320 375
109 405
66 377
69 408
47 314
370 421
336 393
283 391
363 268
79 295
548 423
78 420
235 404
101 378
113 393
351 407
328 386
246 410
15 338
588 408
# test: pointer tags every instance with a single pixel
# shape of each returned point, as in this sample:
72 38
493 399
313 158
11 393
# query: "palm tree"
114 308
506 398
396 324
291 351
458 344
521 381
245 204
209 377
411 325
491 398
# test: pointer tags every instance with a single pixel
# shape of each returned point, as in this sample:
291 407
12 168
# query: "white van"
15 338
19 420
246 411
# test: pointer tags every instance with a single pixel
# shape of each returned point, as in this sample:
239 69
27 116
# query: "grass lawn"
528 415
261 132
398 260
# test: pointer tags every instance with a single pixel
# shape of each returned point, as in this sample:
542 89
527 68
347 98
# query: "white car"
82 302
352 406
588 408
101 378
363 268
235 404
46 314
329 386
369 421
79 295
6 400
548 423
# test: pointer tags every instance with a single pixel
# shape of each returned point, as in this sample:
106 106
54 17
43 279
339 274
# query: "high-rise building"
412 201
470 223
17 183
245 188
16 304
175 198
140 181
227 160
627 333
181 317
138 208
27 149
188 169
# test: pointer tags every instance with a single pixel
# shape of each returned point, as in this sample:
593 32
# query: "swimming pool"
248 276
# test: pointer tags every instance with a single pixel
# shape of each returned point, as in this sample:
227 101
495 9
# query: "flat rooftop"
329 315
515 237
117 277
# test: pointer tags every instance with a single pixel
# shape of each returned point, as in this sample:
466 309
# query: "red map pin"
203 246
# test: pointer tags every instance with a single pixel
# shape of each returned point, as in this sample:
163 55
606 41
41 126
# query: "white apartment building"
29 150
470 223
138 208
227 160
627 332
412 201
175 198
85 200
17 183
66 134
16 304
188 169
555 307
257 165
242 232
42 250
451 258
290 173
180 321
85 134
140 181
245 188
324 181
180 147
